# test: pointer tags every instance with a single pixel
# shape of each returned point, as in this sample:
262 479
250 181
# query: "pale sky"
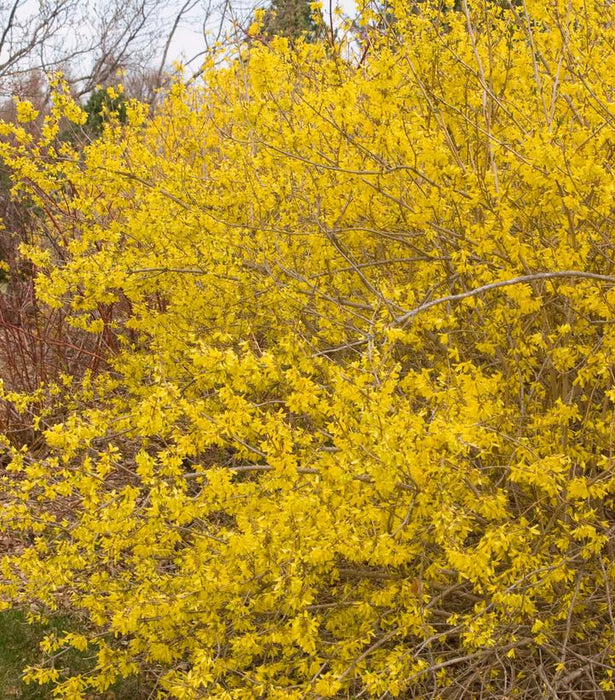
188 39
73 37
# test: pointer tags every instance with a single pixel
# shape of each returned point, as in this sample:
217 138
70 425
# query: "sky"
70 34
188 39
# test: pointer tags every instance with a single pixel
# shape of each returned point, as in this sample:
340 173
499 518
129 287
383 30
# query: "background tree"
100 105
292 19
89 42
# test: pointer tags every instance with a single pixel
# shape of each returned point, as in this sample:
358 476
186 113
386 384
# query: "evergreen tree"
292 19
98 108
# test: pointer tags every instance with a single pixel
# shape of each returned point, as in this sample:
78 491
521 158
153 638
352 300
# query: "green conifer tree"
292 19
98 108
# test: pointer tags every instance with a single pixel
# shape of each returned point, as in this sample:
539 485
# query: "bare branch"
409 315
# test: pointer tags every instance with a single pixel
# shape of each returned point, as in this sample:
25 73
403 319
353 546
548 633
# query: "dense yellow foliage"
290 480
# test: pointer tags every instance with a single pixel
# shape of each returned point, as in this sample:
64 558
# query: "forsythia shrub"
354 434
